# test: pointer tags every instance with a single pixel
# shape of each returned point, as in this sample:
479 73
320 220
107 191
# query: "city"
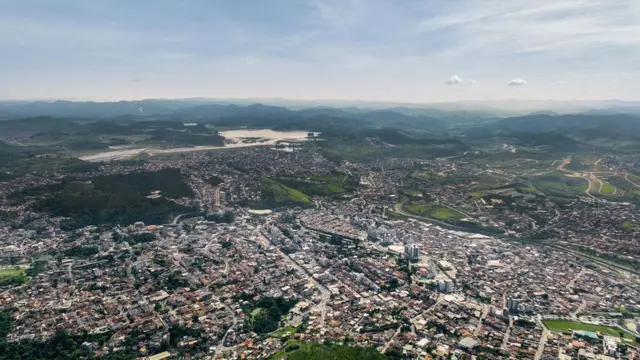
351 274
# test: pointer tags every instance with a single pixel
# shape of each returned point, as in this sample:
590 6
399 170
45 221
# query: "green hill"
113 199
274 194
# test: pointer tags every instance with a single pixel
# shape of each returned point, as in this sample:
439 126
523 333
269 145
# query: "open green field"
607 189
567 325
334 183
634 178
15 276
289 330
276 194
427 175
557 184
412 192
433 211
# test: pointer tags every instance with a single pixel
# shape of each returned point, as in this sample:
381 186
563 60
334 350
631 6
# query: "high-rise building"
448 286
512 304
445 286
412 252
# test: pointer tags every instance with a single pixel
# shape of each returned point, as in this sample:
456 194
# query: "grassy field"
566 326
628 226
428 175
607 189
412 192
560 185
15 276
289 330
634 178
433 211
478 194
275 194
334 183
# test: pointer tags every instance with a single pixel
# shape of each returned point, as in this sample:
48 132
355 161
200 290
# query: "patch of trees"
267 318
62 346
179 332
17 279
318 351
214 180
81 251
116 199
173 282
226 217
369 328
138 238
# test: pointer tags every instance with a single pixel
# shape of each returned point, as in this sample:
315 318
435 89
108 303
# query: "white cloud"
561 82
524 27
454 79
471 82
517 82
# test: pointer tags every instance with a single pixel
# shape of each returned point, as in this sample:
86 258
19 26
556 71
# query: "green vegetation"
6 324
628 226
226 217
172 282
14 276
607 189
62 135
81 251
567 325
214 180
412 193
316 351
433 211
428 175
274 194
264 315
289 330
478 194
49 164
626 310
557 184
634 178
61 346
35 268
358 142
112 199
334 183
178 332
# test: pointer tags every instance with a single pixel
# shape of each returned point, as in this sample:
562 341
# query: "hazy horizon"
418 52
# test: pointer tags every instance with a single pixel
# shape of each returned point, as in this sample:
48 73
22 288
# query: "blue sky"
398 50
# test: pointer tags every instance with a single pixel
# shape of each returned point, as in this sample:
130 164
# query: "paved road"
505 340
566 162
386 346
221 347
626 177
543 339
485 311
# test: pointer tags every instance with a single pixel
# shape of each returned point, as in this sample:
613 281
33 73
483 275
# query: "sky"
376 50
